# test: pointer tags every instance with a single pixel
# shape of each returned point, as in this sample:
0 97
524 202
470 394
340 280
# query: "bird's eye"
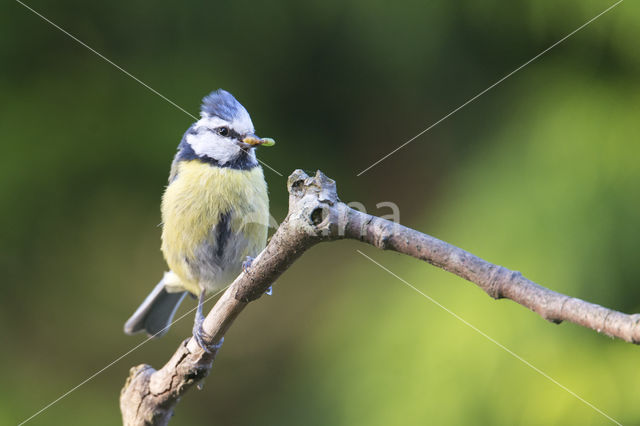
223 131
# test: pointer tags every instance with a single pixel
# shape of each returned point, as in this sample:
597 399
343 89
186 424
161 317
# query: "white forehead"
241 121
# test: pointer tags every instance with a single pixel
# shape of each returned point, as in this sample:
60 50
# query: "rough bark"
317 215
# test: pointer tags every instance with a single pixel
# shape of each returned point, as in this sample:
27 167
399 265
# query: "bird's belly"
212 219
215 263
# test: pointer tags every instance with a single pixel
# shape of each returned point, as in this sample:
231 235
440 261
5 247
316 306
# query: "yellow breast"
191 208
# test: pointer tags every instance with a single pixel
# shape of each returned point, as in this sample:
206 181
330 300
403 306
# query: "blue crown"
221 103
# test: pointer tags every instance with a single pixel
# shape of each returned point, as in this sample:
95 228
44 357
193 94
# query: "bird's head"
225 131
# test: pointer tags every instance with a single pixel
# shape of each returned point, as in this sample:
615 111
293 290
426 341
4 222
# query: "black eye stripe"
235 135
227 132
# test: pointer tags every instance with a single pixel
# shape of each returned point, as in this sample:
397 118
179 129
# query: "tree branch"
317 215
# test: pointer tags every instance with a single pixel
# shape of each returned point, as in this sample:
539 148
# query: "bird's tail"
156 312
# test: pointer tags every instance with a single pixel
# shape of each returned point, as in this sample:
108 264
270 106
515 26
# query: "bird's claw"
247 264
200 335
269 291
218 345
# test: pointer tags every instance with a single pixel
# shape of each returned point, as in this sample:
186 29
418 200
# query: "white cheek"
210 145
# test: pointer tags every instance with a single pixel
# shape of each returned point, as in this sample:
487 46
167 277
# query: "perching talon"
218 345
200 336
247 263
269 291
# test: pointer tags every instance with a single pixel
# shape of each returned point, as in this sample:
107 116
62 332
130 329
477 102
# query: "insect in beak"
253 140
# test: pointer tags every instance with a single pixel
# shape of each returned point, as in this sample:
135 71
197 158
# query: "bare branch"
317 215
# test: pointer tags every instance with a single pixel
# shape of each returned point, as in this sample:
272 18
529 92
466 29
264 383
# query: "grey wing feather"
156 312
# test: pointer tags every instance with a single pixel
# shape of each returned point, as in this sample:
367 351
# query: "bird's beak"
253 140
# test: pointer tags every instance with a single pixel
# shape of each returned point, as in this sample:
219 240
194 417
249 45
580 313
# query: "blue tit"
215 213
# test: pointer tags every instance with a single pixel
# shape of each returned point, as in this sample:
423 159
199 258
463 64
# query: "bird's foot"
218 345
247 263
200 335
269 291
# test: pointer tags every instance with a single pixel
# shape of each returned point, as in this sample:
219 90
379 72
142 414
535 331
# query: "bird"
215 214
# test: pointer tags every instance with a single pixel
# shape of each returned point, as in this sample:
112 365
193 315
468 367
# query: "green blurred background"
540 174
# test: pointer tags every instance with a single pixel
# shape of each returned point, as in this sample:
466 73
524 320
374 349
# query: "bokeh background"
541 175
